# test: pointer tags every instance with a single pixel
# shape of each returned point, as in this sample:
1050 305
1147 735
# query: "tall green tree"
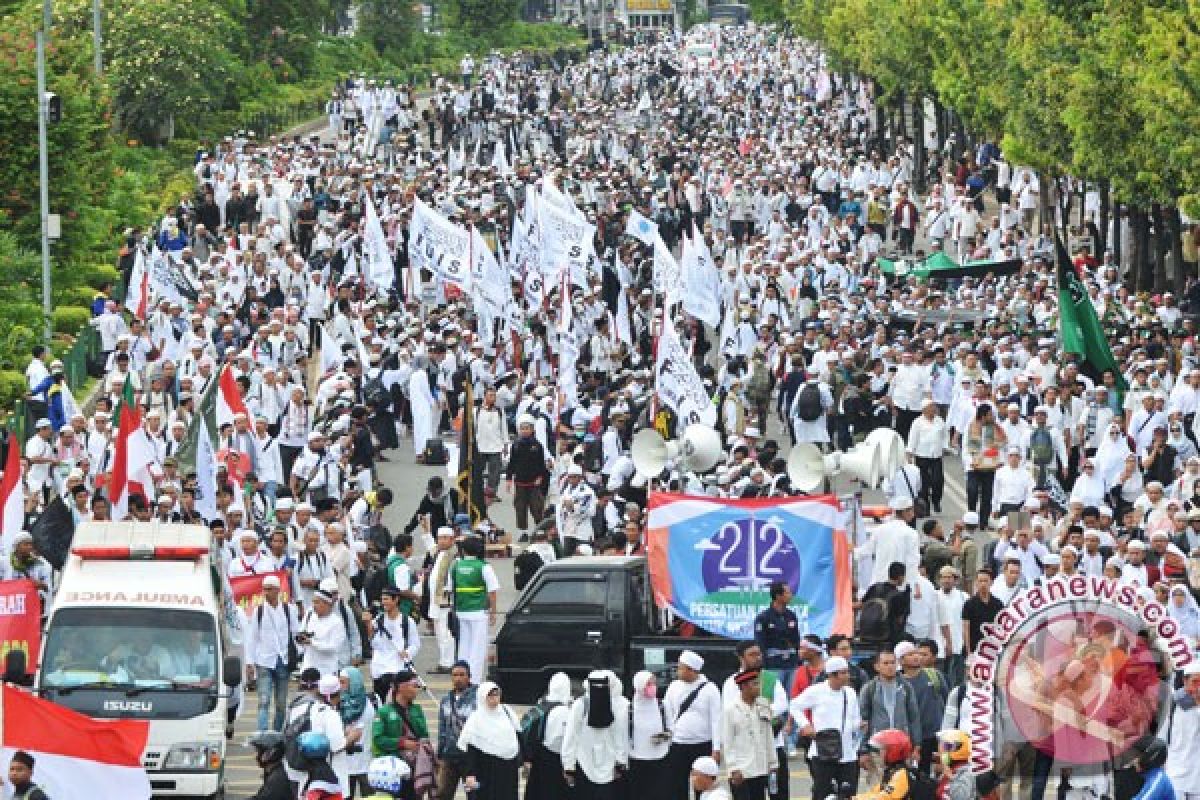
483 19
388 25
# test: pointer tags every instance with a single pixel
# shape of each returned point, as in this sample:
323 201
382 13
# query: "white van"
141 628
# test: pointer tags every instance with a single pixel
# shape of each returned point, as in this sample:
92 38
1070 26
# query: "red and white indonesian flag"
133 454
229 398
12 496
75 756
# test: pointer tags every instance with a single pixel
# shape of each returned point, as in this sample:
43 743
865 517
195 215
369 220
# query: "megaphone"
806 467
651 452
891 450
701 448
863 463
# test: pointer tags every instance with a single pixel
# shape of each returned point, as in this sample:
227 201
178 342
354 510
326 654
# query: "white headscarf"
1110 455
491 730
559 690
1187 615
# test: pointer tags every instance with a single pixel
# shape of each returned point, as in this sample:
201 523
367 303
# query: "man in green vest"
475 587
750 659
399 574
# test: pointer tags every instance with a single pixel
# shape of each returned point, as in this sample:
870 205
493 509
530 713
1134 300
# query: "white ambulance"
143 626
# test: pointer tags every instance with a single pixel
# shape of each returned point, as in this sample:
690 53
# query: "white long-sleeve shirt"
267 634
702 721
395 643
927 437
1183 750
490 430
831 709
749 742
328 642
596 751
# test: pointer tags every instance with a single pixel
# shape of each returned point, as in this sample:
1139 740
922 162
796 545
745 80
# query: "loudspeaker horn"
863 463
806 467
651 452
701 448
891 450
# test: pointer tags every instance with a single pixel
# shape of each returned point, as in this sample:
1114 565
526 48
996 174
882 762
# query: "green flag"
206 409
1079 328
126 399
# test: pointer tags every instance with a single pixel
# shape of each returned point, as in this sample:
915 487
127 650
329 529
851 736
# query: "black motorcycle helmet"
268 747
1150 752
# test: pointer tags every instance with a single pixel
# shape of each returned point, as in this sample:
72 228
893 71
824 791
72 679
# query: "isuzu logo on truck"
140 706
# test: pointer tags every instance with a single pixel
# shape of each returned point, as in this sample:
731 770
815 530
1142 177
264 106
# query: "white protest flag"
728 346
454 159
206 473
500 159
557 197
331 352
666 272
489 279
624 332
640 228
566 243
475 155
644 102
701 282
379 269
678 384
438 245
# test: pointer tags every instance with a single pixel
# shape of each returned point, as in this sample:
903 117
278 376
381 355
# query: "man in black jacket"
527 476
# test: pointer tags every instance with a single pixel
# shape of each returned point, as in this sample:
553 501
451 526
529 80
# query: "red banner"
248 592
20 621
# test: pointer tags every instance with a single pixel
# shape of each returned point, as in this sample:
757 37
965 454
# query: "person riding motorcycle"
268 753
957 781
893 749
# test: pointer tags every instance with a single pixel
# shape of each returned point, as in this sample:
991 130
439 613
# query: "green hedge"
71 319
12 387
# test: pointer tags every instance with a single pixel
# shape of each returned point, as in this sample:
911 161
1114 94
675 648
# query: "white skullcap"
691 659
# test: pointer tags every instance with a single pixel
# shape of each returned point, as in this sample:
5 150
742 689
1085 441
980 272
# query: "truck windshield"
129 647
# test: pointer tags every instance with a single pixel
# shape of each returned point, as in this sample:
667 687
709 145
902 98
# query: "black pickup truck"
594 612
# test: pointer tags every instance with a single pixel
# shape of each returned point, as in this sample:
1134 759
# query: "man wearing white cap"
704 781
317 704
693 708
440 598
578 502
268 646
39 452
324 633
894 541
832 706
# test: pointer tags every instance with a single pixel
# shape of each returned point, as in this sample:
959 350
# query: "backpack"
292 754
375 394
376 582
874 624
525 566
758 389
808 403
920 785
1041 447
533 729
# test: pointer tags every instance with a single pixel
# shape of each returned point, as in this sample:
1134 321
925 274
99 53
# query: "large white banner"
489 279
379 268
438 245
701 282
668 279
678 384
566 243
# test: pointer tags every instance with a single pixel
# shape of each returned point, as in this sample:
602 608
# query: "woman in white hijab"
650 738
1186 613
1110 455
595 748
489 738
546 779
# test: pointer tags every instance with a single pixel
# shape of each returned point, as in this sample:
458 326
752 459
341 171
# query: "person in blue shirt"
777 634
53 386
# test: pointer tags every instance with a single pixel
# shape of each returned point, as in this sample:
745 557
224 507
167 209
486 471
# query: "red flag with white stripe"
74 755
133 454
12 496
229 398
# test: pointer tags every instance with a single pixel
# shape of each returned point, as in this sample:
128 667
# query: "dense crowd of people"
762 167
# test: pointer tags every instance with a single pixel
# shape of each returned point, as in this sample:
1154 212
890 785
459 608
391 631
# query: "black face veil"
600 713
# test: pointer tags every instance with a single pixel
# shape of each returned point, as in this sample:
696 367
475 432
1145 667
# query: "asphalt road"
407 480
